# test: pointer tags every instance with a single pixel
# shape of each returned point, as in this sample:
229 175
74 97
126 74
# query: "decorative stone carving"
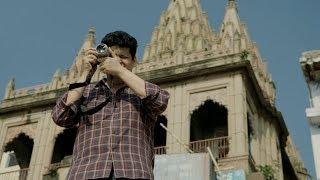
217 95
237 43
168 40
28 129
183 17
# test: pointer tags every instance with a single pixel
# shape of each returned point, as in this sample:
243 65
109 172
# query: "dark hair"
122 39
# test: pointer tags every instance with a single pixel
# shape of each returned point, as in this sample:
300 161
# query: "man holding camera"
115 117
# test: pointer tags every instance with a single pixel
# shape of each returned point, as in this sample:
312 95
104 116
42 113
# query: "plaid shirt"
118 133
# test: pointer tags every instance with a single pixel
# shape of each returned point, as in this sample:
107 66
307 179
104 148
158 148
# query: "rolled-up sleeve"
65 115
156 100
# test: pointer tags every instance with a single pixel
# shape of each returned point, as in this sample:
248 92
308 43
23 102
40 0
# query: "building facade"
222 96
310 64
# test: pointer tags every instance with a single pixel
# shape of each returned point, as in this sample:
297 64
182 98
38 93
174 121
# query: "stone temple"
222 97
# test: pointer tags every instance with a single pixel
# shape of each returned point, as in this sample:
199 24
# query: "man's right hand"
90 61
90 65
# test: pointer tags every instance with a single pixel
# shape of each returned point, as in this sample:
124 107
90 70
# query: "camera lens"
100 48
102 51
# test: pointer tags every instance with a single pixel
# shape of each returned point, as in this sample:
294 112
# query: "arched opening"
209 120
160 135
19 152
63 146
209 127
22 147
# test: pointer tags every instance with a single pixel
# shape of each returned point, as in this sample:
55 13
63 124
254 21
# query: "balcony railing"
219 146
58 165
160 150
20 174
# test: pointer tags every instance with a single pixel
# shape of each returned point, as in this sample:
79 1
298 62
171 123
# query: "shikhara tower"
221 95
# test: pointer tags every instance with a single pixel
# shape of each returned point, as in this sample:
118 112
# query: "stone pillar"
263 142
255 140
315 139
268 143
32 174
237 118
1 138
177 124
40 153
49 142
185 120
170 117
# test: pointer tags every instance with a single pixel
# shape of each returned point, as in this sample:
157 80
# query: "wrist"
121 72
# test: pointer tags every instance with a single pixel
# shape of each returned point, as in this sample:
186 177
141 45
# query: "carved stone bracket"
217 95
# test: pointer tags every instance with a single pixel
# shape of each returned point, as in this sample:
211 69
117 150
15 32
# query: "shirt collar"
104 84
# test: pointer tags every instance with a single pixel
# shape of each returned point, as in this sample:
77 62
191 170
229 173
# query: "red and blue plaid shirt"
118 131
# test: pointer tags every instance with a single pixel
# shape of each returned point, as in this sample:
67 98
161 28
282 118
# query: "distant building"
310 63
222 96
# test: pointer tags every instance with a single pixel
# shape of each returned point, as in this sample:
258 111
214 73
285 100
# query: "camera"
102 51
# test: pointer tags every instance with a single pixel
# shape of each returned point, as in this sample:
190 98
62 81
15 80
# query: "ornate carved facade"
196 65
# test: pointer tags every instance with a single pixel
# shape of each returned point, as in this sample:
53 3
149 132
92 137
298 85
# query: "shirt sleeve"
66 115
156 100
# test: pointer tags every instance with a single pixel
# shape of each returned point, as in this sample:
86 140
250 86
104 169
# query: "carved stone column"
237 121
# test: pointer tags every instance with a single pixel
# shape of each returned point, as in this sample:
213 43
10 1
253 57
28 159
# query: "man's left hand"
111 65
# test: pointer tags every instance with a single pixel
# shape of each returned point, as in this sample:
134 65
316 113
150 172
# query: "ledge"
30 101
313 115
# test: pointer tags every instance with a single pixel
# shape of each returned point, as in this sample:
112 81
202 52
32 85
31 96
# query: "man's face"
126 60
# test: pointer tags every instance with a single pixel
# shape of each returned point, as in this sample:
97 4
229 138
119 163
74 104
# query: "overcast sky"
39 36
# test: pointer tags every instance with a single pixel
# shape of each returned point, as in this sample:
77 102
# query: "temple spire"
57 74
233 34
89 42
10 89
56 79
182 24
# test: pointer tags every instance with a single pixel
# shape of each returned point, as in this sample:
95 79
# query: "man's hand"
90 60
120 65
90 66
111 65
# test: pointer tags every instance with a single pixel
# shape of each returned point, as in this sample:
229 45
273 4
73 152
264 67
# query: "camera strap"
82 84
77 85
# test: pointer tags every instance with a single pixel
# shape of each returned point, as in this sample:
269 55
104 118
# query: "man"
115 117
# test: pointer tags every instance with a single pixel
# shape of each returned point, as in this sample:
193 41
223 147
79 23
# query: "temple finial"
10 88
232 3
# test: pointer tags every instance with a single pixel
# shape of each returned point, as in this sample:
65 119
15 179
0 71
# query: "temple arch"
209 120
160 135
209 128
63 147
22 146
